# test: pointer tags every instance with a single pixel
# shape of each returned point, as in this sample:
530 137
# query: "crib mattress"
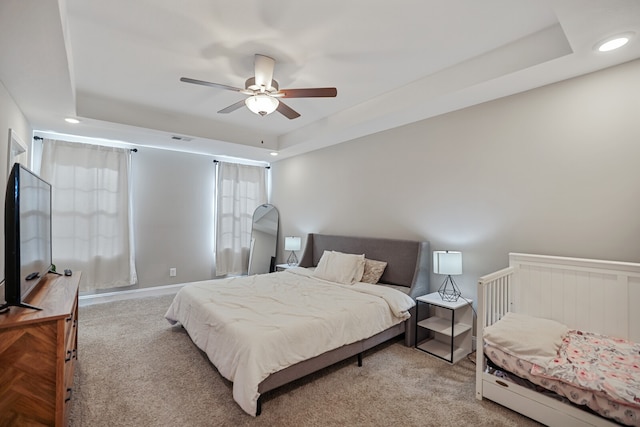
595 401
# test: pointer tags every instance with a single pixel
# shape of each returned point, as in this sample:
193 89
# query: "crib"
591 295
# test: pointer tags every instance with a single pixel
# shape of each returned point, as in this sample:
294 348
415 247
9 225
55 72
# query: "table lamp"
449 263
292 244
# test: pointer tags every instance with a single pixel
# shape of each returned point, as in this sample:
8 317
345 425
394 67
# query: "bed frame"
592 295
407 267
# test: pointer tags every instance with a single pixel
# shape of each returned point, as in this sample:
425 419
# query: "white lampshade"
447 262
262 104
292 243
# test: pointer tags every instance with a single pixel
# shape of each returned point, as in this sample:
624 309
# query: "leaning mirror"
264 238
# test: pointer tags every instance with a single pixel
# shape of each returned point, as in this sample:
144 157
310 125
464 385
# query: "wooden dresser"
38 350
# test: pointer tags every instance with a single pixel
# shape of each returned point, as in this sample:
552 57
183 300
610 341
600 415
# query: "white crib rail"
586 294
494 301
494 295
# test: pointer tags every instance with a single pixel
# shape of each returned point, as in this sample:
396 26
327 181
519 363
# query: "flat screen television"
27 235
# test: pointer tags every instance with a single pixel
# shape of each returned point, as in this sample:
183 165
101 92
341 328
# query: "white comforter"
251 327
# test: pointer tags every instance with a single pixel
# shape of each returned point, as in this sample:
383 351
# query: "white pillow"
341 268
530 338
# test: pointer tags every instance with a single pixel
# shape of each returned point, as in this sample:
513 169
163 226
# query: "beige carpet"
135 369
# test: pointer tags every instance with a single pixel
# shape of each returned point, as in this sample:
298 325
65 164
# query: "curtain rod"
218 161
39 138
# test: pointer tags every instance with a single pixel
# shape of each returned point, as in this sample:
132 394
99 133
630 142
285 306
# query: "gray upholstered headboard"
407 260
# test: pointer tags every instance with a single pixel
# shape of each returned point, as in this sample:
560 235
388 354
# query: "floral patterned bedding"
599 372
598 363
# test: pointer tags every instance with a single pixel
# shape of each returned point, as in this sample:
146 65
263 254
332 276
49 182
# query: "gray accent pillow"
373 271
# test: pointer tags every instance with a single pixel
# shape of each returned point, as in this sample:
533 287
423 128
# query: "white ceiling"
116 64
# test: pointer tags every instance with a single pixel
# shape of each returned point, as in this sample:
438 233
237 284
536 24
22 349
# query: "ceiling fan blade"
318 92
287 111
263 70
232 107
216 85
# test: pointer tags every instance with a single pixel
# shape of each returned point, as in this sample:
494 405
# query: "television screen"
27 233
35 230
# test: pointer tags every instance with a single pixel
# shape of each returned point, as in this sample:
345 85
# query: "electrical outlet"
172 272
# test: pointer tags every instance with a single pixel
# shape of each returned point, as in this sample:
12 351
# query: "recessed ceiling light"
613 43
72 120
273 153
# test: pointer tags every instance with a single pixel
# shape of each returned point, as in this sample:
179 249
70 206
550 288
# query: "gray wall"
11 117
551 171
554 170
173 211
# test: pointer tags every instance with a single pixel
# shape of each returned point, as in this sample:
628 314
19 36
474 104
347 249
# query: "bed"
255 329
590 298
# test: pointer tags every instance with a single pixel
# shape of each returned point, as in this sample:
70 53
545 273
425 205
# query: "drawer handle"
69 356
503 384
69 391
68 319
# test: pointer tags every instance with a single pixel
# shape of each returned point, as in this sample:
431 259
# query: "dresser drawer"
68 389
71 333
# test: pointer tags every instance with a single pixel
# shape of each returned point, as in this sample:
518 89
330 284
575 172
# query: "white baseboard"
100 298
85 300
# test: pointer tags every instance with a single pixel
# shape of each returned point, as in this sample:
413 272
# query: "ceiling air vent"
181 138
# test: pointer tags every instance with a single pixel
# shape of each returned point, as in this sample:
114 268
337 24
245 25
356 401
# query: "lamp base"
449 293
292 260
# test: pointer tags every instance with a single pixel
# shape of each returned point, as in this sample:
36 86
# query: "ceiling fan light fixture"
262 104
264 92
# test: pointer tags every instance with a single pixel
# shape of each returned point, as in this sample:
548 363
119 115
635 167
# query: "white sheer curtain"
91 212
240 189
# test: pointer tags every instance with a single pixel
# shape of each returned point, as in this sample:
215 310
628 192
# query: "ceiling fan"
264 93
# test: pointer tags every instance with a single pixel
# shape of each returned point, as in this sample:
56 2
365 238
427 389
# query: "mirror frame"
264 240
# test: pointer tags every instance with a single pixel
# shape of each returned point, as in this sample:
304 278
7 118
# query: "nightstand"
282 267
448 326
